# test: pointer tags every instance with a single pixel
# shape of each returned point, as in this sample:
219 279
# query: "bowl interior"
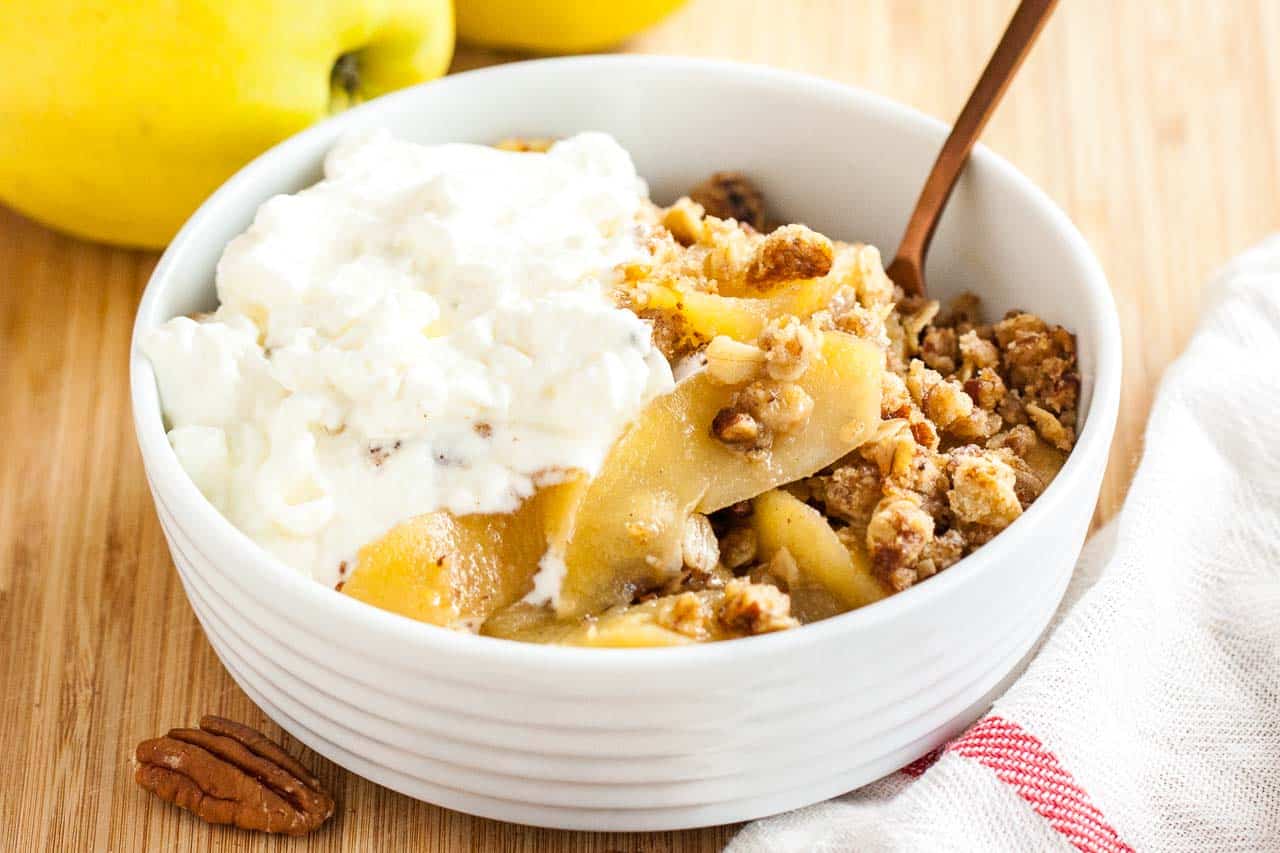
843 161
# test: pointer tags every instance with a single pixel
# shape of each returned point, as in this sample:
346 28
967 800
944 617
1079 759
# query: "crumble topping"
760 412
686 613
789 348
753 608
976 417
791 252
742 608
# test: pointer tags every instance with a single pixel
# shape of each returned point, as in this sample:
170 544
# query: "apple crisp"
829 442
975 418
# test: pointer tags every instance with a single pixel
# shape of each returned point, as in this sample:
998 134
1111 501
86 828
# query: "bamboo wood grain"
1154 126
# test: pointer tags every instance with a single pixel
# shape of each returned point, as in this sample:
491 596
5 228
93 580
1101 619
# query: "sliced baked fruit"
737 608
622 531
456 570
825 566
627 533
738 317
635 626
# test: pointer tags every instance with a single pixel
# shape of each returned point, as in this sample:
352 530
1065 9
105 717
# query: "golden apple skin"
557 26
121 118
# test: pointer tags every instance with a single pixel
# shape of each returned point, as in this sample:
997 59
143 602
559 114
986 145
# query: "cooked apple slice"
628 531
627 629
743 318
622 627
782 520
625 528
456 570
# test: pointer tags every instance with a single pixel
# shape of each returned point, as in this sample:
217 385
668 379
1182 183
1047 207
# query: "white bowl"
657 738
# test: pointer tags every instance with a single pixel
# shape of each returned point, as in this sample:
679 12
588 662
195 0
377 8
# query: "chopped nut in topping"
781 409
1018 440
1050 428
916 314
686 613
1040 359
986 389
895 399
671 333
892 448
982 490
755 608
941 552
897 534
978 425
977 352
789 346
736 429
789 253
939 349
847 314
1011 409
850 492
761 411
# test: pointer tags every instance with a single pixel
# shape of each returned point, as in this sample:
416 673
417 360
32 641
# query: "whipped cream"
428 328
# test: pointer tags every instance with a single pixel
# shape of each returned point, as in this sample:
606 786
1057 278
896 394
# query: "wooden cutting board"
1155 129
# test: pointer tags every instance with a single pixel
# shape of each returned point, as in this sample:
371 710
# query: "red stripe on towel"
916 768
1019 759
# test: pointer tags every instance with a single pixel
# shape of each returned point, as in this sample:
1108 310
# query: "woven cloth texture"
1149 719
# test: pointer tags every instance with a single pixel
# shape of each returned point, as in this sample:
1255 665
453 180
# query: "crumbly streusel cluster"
976 417
975 421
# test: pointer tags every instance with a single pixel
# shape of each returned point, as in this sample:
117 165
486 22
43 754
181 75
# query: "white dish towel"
1150 718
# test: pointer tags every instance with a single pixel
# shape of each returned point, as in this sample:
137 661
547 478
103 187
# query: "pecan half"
225 772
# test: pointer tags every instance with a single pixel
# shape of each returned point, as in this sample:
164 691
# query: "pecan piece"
754 608
789 253
225 772
737 429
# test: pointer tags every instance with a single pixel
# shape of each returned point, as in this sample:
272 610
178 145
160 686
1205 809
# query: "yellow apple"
557 26
118 119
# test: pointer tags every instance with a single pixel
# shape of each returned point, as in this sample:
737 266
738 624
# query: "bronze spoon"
907 269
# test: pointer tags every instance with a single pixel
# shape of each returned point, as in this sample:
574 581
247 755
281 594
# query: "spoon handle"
1027 22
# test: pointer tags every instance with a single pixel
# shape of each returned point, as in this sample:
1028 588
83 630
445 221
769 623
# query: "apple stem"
346 74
